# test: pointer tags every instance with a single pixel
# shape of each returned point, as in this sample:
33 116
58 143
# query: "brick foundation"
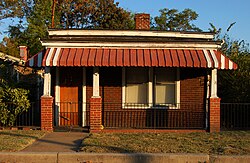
96 114
47 113
214 115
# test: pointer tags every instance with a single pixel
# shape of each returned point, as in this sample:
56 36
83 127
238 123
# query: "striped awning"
202 58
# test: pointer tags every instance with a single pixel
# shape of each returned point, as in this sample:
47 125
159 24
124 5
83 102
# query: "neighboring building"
26 77
131 79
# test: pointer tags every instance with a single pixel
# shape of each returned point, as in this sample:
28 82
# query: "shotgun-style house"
131 79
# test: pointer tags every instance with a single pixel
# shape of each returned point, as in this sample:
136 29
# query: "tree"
98 14
9 46
172 20
234 86
14 8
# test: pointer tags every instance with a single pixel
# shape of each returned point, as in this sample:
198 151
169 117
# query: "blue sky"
219 12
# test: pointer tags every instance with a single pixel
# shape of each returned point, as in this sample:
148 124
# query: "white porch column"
84 98
123 87
150 87
47 82
96 82
214 84
57 96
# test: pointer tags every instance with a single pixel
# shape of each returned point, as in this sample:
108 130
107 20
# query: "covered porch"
110 88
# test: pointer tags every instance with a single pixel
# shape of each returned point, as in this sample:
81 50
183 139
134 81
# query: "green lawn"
11 141
224 143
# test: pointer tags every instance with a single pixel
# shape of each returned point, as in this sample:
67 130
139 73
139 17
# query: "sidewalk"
57 142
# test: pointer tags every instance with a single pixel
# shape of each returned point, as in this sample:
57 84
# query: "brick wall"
111 84
193 94
47 113
193 87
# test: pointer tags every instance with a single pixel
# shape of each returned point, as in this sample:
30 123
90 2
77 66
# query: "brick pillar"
214 115
96 114
47 113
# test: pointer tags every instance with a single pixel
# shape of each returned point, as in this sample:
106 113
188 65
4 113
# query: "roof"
12 59
130 38
112 57
131 48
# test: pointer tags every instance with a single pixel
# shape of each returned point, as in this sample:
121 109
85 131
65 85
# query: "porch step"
70 129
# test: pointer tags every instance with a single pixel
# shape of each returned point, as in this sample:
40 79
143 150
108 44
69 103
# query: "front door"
70 97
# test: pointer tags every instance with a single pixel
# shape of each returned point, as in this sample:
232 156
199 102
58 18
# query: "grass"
223 143
12 141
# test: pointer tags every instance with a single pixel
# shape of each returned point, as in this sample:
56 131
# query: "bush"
13 101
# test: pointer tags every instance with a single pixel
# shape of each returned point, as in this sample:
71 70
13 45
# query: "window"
154 87
136 86
165 86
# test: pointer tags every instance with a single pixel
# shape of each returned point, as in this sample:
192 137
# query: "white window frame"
150 91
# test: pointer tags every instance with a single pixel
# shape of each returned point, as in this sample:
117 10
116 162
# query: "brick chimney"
142 21
23 53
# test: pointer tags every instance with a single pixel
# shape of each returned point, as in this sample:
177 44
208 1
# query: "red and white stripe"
131 57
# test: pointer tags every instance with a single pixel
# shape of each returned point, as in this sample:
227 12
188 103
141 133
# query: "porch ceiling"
108 57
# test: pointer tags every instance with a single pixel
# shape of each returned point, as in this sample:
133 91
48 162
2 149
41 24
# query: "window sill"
150 106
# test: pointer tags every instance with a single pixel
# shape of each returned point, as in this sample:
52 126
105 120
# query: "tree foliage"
35 19
100 14
234 85
14 8
13 101
173 20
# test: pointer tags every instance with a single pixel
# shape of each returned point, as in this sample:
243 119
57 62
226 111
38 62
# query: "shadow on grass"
18 135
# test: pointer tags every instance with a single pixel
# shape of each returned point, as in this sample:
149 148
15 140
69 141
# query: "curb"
75 157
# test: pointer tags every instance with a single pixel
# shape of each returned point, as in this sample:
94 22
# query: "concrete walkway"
57 142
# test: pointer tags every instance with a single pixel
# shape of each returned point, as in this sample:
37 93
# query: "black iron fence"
30 118
160 116
235 116
71 114
140 116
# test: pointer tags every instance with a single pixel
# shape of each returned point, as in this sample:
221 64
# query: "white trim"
123 87
49 57
47 82
129 33
116 45
214 84
150 87
230 65
209 63
84 98
216 63
57 95
55 59
222 62
96 82
178 87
